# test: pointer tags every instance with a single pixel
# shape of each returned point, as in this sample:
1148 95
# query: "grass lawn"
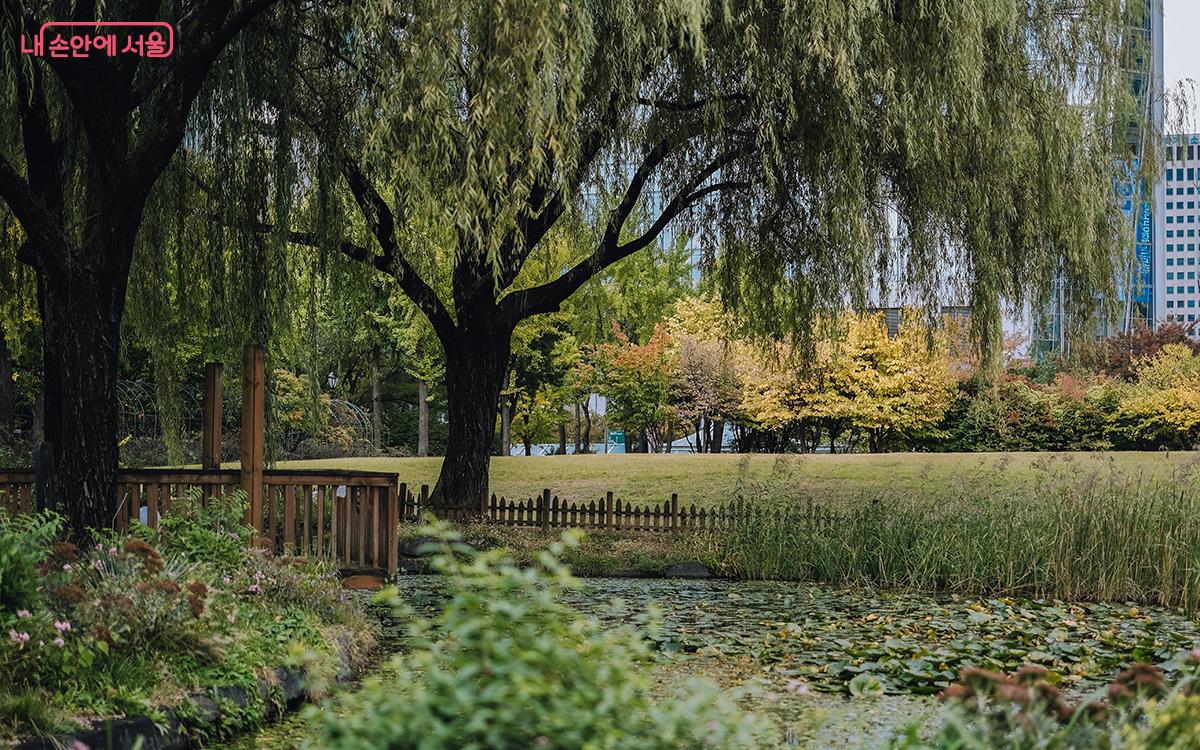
713 479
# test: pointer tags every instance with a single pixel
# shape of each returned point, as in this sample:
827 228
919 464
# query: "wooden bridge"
350 519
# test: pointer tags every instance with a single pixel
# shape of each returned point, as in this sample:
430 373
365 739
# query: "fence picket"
289 519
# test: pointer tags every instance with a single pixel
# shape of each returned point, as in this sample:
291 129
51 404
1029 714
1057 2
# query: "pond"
794 649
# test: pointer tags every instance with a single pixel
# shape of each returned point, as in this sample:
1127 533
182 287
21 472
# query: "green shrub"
211 532
24 544
129 621
507 665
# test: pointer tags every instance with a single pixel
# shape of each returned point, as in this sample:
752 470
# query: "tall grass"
1108 536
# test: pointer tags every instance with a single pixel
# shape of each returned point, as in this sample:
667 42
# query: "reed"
1099 536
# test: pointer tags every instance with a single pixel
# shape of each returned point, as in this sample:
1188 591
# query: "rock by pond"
687 570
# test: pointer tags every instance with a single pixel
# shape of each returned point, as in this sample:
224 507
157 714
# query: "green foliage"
1162 407
1019 414
1157 406
507 665
573 86
133 620
209 531
24 543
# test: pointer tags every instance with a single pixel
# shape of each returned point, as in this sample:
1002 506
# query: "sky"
1181 41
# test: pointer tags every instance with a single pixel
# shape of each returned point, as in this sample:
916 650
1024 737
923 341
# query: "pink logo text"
81 39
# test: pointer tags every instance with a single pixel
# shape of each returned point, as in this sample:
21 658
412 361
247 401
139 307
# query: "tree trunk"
716 435
376 401
528 446
833 436
81 327
422 418
562 438
875 441
477 356
506 410
587 426
577 427
37 431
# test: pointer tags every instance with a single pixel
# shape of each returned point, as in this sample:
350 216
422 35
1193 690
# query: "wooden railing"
147 494
16 490
347 518
351 518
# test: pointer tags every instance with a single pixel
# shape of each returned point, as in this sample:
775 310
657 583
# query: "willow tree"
808 145
83 142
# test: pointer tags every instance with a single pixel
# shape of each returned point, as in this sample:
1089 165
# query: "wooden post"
43 478
210 441
674 524
254 385
392 537
544 509
608 510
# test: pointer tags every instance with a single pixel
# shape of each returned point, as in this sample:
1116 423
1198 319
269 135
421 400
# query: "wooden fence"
548 511
16 490
348 518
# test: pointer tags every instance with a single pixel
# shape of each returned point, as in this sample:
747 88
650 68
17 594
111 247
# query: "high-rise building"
1178 297
1142 200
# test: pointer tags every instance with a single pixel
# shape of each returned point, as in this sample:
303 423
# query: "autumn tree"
861 379
885 386
638 381
775 397
708 387
1162 407
1120 354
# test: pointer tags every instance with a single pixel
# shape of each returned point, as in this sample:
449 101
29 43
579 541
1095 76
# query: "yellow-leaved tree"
1162 407
887 386
861 380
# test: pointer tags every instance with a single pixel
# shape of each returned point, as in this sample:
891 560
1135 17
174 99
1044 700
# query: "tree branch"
548 297
363 255
532 229
692 105
382 223
36 220
179 85
43 153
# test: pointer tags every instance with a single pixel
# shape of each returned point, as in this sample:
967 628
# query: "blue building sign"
1145 256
